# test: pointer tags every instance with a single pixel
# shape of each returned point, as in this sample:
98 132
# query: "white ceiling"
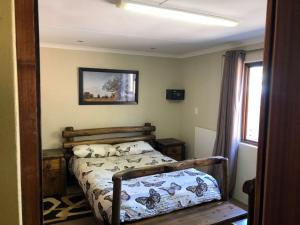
100 24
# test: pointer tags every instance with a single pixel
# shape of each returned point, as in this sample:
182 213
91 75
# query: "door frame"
27 43
28 77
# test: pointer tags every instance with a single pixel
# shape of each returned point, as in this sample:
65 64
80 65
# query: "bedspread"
145 196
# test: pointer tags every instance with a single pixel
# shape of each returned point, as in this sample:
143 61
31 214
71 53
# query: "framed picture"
107 86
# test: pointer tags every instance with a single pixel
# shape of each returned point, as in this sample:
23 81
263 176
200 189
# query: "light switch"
196 111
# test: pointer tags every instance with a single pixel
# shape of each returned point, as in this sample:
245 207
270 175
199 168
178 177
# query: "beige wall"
202 77
59 86
9 194
202 81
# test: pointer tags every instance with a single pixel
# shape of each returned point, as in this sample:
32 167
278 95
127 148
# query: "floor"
83 221
91 221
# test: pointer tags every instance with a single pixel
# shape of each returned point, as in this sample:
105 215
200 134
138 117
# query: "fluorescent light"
177 15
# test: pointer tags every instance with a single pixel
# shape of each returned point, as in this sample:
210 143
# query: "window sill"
249 144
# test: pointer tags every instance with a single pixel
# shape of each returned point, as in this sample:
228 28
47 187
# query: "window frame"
245 102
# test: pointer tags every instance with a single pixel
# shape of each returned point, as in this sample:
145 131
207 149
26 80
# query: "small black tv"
174 94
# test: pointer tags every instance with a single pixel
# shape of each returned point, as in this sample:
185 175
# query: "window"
252 99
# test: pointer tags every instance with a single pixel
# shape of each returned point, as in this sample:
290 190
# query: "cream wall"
59 94
202 76
202 82
9 160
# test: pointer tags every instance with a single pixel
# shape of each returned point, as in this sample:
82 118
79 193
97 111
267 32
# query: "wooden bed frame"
216 212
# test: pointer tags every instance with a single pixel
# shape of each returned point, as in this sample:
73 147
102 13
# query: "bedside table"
54 172
171 147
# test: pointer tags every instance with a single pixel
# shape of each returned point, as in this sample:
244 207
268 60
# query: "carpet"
61 209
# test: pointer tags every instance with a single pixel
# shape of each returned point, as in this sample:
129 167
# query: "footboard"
165 168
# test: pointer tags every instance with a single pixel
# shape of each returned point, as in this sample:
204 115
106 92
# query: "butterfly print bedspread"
145 196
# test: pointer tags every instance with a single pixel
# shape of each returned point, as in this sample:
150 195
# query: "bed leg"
224 182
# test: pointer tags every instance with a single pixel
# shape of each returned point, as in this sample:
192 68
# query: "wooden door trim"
27 50
280 201
264 114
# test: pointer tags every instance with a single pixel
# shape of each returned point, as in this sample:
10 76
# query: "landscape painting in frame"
107 86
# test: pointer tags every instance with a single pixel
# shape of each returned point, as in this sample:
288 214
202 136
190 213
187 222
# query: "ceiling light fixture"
175 14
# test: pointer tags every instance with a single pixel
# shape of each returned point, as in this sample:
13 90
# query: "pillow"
94 151
132 148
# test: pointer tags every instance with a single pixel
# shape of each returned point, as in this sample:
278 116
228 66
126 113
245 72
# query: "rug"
60 209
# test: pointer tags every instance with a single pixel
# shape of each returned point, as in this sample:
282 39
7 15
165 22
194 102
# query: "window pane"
254 98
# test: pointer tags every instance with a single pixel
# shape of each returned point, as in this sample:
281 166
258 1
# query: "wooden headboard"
70 133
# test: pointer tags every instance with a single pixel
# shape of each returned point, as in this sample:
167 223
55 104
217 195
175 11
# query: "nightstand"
171 147
54 172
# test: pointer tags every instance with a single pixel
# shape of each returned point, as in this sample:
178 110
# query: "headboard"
70 134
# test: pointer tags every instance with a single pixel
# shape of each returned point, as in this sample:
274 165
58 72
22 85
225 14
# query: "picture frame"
108 86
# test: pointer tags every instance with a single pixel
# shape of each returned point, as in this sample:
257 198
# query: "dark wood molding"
264 113
277 187
27 43
109 130
118 140
146 135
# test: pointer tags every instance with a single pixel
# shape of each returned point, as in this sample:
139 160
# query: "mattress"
145 196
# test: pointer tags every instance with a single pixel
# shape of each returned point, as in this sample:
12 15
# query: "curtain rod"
251 50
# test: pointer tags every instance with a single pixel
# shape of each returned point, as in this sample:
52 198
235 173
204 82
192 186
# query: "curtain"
230 113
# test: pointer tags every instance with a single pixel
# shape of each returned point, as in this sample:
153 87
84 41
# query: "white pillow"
94 151
133 148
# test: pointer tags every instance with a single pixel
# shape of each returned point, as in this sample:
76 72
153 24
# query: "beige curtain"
230 111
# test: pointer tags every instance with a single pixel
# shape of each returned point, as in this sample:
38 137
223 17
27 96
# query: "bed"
148 188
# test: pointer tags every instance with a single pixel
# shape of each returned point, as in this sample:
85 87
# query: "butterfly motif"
156 184
134 160
89 155
150 201
97 192
94 164
124 196
166 160
116 168
86 173
198 189
191 173
181 174
103 213
179 204
127 217
145 151
153 162
87 185
171 190
213 181
159 175
129 167
137 184
121 151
